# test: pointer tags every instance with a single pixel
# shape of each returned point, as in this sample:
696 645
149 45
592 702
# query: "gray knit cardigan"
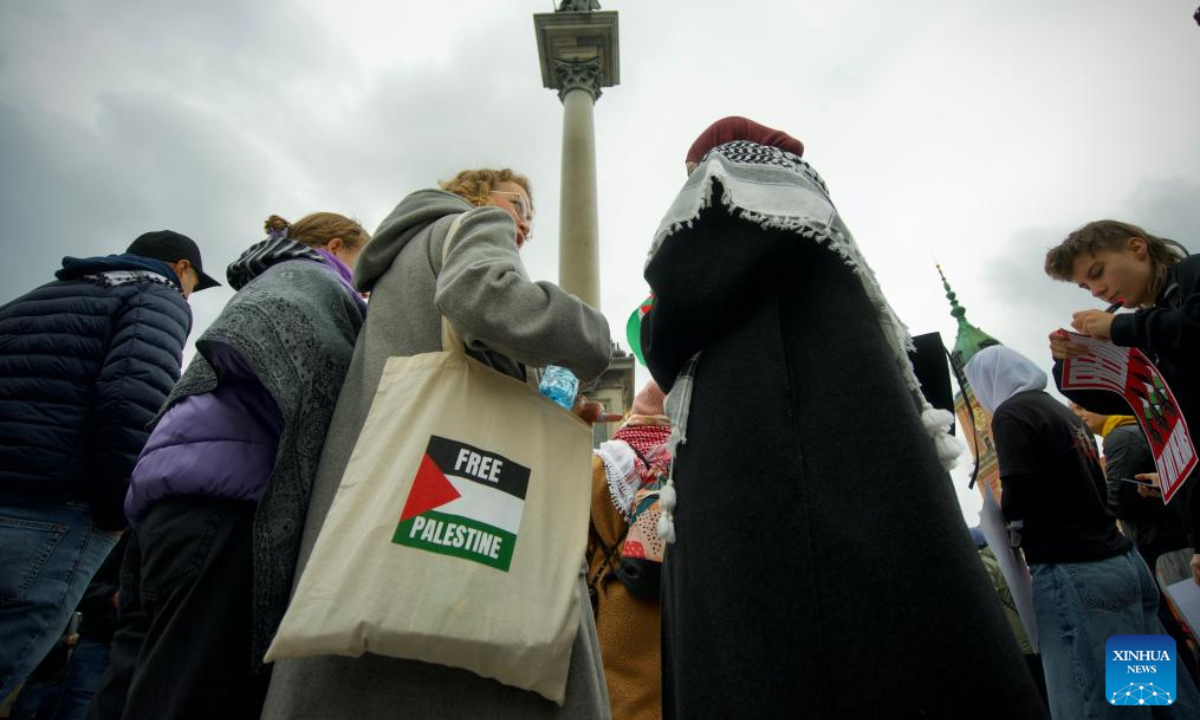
295 324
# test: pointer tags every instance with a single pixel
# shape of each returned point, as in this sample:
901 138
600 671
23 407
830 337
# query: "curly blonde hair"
474 185
317 229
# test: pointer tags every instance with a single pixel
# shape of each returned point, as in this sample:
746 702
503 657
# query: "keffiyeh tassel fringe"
937 424
667 497
666 520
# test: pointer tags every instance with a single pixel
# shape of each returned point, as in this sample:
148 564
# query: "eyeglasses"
520 203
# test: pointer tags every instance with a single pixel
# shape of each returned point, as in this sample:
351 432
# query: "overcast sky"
974 134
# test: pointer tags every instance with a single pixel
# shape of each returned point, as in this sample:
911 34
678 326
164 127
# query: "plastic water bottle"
560 385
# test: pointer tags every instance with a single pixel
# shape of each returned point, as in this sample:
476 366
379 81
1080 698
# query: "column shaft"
579 244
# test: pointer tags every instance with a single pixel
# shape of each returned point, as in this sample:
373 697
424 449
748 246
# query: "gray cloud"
1168 208
138 133
936 137
1020 305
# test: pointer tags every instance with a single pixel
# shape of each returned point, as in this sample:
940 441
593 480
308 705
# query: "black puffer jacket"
85 363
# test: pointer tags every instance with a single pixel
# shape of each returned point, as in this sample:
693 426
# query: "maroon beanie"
740 128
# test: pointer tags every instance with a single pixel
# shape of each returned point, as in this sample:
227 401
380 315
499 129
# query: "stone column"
579 226
578 53
578 50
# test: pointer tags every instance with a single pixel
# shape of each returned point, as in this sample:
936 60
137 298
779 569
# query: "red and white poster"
1130 374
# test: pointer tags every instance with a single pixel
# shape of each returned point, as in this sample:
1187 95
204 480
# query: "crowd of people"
772 532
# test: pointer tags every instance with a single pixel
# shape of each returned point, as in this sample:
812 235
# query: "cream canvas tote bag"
458 531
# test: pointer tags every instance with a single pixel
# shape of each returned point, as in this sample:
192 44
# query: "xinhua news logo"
1140 670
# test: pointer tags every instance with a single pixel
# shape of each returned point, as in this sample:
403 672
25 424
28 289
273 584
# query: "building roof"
969 339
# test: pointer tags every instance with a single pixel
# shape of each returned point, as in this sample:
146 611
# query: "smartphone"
1136 481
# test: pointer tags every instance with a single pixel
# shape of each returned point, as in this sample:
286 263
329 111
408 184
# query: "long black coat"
822 568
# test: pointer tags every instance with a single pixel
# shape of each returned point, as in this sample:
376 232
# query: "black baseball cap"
170 246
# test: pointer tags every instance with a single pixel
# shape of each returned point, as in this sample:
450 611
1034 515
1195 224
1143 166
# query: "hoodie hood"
414 213
997 373
74 268
262 255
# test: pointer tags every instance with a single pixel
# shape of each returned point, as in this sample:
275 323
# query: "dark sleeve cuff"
1122 330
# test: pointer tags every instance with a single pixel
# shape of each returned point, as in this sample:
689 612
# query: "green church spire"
970 339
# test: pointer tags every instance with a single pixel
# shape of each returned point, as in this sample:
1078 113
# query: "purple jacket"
346 275
220 444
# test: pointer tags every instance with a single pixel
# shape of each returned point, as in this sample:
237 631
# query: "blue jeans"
1079 606
70 698
50 551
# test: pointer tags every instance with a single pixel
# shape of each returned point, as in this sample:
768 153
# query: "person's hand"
1148 491
1095 323
1196 568
1061 346
592 412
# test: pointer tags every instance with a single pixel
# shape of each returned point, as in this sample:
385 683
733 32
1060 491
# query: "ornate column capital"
578 75
579 5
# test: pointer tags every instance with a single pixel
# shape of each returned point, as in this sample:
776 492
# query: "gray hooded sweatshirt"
507 321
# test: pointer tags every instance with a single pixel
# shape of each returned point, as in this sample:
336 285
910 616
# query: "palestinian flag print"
465 502
633 328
